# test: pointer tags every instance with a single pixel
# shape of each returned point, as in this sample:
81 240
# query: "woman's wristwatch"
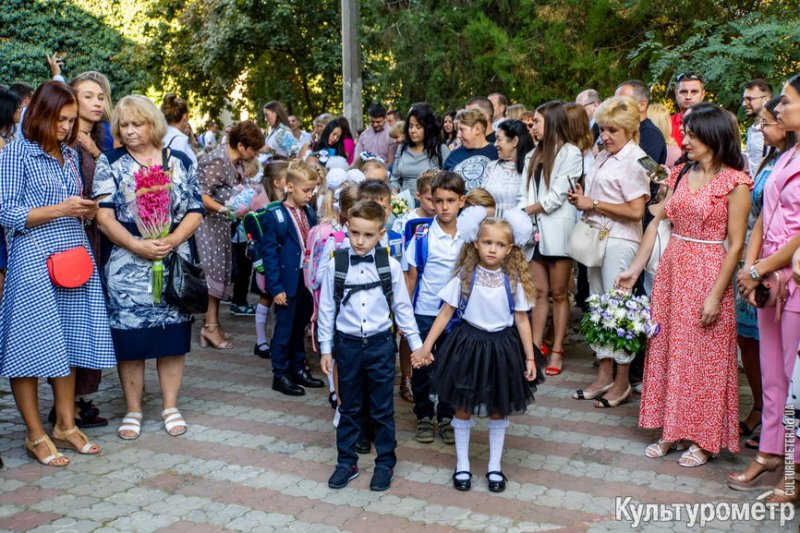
754 275
595 203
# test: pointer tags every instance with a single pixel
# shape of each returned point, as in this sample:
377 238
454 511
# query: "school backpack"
417 229
253 224
341 261
318 236
395 242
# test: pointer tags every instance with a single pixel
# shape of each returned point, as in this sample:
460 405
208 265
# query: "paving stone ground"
255 460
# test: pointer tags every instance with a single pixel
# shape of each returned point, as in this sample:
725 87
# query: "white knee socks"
461 432
497 437
262 312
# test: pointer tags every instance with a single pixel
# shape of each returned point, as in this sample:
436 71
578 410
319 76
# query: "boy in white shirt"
431 256
358 301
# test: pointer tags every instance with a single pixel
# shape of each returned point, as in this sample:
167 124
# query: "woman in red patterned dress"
690 386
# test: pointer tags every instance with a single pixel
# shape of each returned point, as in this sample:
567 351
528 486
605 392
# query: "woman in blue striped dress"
47 331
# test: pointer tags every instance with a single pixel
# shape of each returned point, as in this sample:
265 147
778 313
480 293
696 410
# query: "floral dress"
691 386
142 329
45 330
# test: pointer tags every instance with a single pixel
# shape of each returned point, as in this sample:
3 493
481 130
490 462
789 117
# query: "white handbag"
587 243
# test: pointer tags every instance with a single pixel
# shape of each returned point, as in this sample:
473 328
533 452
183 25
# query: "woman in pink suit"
775 238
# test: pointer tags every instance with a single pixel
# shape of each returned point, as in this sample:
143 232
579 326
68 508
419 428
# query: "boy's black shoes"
303 377
286 386
381 478
342 475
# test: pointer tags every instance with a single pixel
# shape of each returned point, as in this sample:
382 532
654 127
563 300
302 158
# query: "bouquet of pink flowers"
153 214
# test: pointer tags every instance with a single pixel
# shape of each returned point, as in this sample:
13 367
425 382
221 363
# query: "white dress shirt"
366 313
443 251
488 305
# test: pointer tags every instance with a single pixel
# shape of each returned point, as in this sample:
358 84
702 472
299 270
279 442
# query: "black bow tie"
356 259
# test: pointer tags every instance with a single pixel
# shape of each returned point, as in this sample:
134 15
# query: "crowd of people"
448 238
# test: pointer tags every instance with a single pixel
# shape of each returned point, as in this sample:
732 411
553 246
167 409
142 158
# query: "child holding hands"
487 365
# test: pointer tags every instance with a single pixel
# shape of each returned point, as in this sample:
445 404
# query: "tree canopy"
238 54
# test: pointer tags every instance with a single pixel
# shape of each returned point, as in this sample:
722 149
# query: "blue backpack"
417 229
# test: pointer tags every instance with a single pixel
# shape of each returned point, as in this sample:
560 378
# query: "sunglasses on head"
689 76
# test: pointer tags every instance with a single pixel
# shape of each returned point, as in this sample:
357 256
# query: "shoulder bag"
587 242
186 287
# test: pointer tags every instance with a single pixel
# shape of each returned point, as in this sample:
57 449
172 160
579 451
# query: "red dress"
690 383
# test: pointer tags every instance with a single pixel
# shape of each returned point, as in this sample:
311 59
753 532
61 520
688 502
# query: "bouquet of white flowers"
399 206
619 320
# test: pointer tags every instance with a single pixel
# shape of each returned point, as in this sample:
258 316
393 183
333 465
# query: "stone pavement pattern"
255 460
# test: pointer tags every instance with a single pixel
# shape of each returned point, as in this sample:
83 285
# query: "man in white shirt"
756 93
360 334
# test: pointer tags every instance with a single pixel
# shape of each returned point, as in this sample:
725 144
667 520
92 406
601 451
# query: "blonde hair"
299 172
425 179
482 197
473 117
514 265
366 166
621 112
139 106
515 111
659 114
397 130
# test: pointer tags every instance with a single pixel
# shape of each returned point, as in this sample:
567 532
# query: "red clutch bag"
70 269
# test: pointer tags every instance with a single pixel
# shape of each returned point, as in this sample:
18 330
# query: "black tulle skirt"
483 372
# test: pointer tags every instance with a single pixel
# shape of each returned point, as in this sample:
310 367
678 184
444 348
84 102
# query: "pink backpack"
312 276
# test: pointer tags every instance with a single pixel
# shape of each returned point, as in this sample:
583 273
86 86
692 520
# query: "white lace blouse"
488 306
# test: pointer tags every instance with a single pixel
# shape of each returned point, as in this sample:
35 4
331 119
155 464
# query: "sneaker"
446 432
381 478
424 430
242 310
336 417
342 475
637 387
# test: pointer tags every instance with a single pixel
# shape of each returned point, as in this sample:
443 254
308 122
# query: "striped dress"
45 330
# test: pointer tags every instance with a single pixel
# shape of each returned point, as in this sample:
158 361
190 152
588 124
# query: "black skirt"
483 373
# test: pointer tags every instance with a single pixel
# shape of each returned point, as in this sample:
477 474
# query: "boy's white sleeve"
326 311
403 312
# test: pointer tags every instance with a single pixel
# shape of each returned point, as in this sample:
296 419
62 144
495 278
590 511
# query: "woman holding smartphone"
543 195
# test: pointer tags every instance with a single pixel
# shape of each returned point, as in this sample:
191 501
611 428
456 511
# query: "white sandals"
131 422
173 420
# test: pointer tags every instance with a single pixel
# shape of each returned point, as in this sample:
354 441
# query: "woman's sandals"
61 440
662 448
174 424
769 473
54 459
695 456
132 424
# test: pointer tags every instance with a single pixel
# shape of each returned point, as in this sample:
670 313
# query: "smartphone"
652 167
572 182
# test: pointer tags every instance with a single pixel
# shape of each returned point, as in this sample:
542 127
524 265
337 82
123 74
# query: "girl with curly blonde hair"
487 366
